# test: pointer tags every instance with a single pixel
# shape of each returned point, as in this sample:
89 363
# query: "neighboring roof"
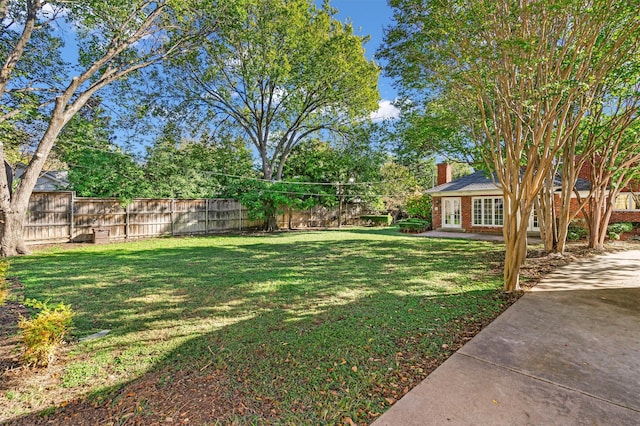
475 182
583 185
47 181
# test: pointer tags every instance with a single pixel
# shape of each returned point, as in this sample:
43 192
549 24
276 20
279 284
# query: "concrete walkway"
568 353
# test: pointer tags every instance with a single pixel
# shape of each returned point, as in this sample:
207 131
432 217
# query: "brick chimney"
444 173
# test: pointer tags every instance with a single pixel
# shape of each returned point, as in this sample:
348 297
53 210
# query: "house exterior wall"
616 215
467 214
467 195
436 212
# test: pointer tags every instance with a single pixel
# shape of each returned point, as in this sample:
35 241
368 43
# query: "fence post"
126 222
172 217
72 228
206 216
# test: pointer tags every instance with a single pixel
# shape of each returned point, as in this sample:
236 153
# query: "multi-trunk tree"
114 39
529 69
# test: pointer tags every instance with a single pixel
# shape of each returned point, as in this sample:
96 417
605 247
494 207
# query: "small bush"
414 225
419 206
615 230
376 219
577 231
4 290
43 334
620 228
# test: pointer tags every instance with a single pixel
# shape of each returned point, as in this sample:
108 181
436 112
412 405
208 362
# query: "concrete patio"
568 353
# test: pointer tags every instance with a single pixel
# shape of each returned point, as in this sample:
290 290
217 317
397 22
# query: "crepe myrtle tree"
115 39
530 70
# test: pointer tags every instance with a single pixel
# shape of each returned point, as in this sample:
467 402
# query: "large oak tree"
284 73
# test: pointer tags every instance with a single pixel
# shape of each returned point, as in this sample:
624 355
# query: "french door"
451 213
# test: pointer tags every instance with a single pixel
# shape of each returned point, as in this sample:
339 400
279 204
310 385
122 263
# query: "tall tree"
115 39
614 165
98 167
181 168
343 173
286 72
528 68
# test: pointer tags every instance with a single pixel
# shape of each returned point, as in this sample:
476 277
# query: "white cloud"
386 110
50 11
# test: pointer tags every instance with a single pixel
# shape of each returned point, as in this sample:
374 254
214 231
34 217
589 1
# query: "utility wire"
342 184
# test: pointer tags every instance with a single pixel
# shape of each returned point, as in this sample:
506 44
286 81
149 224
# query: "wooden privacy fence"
62 217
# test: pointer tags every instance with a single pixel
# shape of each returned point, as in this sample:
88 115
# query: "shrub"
617 229
620 228
414 225
577 231
4 290
376 219
44 334
419 206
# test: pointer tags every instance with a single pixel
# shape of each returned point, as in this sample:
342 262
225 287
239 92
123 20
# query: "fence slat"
60 216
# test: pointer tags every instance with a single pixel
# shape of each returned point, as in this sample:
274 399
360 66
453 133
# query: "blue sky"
370 17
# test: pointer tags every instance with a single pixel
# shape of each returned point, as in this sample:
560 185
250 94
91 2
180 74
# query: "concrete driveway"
568 353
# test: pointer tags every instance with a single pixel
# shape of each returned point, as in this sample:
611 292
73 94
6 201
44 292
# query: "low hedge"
577 230
376 219
615 230
414 225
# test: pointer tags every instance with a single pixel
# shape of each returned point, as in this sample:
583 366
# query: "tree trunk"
515 239
547 217
12 239
596 232
272 223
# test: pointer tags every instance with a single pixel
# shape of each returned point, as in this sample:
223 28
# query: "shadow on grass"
346 360
308 329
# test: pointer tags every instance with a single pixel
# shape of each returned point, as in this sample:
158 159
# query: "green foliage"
577 230
265 200
4 291
398 184
281 72
419 206
376 219
98 167
43 334
347 168
179 168
615 230
414 225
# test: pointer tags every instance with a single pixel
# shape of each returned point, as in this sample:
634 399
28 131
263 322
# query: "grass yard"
295 328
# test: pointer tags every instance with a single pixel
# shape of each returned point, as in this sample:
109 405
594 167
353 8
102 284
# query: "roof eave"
461 193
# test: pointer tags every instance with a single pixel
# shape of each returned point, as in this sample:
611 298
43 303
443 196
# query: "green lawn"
304 327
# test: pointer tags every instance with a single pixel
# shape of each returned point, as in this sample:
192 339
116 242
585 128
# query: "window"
488 211
627 201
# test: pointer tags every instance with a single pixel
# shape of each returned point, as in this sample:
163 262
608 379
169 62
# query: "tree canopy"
284 72
41 93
